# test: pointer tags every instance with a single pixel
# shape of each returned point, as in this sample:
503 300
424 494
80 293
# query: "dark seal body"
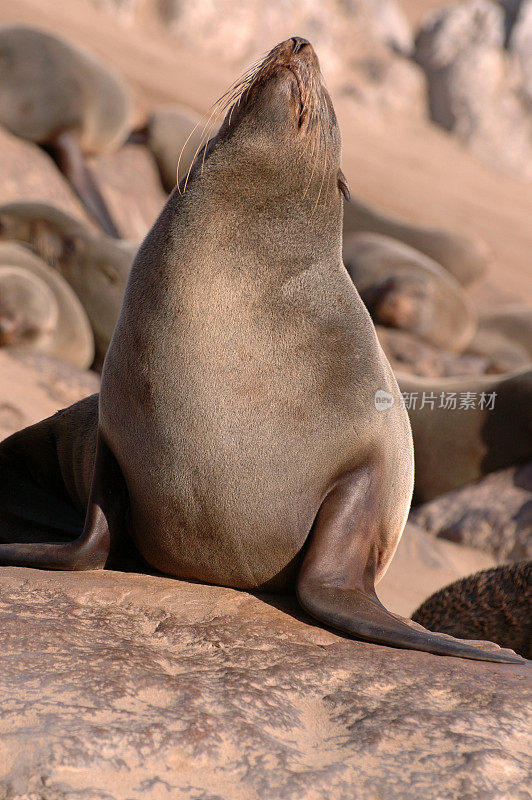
250 432
494 604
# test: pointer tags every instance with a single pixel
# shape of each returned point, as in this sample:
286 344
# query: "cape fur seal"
466 258
504 336
57 95
94 265
466 427
494 604
403 288
39 310
238 439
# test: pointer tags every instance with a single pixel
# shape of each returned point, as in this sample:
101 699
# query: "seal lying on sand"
239 437
95 266
504 336
464 257
466 427
59 96
494 604
403 288
39 310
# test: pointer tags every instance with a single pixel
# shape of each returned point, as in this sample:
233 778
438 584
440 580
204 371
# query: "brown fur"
39 311
404 288
494 604
464 257
239 438
457 446
95 266
56 95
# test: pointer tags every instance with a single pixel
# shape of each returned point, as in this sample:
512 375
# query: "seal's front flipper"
72 163
336 584
33 514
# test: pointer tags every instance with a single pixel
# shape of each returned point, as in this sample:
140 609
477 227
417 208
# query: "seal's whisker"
202 143
323 174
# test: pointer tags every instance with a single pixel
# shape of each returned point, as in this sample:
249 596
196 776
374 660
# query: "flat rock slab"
127 686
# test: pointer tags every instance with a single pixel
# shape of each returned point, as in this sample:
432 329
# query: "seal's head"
401 301
279 140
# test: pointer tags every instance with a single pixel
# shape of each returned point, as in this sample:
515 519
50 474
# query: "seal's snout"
298 43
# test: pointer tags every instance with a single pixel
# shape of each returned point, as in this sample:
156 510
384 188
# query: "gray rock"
474 87
33 386
363 45
493 515
129 182
28 173
120 686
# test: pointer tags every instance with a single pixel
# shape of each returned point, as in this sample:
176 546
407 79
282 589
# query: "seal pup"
465 257
240 436
460 434
403 288
94 265
494 604
38 309
65 99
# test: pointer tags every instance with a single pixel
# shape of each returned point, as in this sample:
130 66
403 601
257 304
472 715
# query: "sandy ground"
406 167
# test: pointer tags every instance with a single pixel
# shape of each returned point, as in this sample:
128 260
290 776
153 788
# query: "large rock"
34 386
474 88
494 515
28 173
129 182
363 45
118 686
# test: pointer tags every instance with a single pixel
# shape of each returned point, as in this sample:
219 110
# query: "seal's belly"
240 425
231 496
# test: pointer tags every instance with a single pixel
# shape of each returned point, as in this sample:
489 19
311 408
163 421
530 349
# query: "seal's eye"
69 247
342 185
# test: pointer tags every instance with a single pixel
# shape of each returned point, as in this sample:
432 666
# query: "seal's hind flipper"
32 514
336 584
72 163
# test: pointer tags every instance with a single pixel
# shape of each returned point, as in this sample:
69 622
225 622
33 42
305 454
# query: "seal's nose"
299 43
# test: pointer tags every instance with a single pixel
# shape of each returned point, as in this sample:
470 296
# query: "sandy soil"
406 167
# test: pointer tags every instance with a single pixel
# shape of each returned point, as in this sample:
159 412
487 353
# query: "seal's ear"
342 185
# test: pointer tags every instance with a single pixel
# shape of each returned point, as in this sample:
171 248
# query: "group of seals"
464 257
237 438
94 265
39 310
58 96
403 288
